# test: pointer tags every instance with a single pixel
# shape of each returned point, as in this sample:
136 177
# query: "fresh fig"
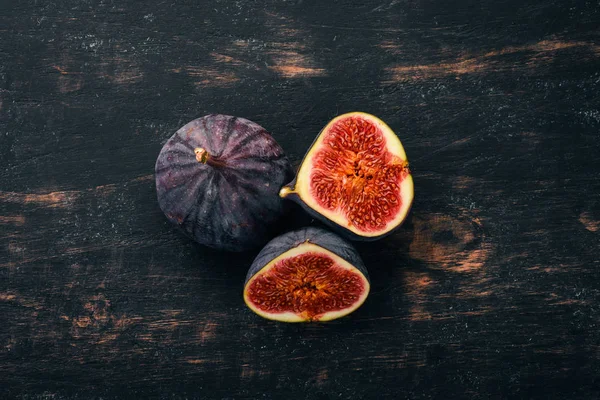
218 178
306 275
355 178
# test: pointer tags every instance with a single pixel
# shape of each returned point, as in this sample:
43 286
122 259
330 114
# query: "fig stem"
203 157
286 191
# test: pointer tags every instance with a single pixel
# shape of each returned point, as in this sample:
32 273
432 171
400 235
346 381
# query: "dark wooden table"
489 291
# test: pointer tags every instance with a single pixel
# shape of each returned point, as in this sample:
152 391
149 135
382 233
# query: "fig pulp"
355 178
218 178
306 275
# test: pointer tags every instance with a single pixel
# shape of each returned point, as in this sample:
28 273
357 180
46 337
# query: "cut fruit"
355 178
306 275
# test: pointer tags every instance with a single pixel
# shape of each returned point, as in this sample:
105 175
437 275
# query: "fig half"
355 178
306 275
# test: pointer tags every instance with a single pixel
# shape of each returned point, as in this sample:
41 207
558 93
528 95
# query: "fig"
355 178
306 275
218 179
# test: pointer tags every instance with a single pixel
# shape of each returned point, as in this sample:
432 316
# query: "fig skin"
290 192
301 242
218 178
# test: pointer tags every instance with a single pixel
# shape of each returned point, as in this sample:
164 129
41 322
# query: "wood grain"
489 291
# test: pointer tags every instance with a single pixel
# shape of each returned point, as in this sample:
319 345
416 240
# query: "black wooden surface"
490 290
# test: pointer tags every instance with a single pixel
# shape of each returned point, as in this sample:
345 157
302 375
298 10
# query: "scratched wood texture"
489 291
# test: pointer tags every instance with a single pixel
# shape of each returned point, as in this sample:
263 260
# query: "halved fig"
306 275
355 178
218 179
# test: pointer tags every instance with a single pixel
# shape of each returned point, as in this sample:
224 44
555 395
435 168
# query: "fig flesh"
355 178
306 275
218 179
